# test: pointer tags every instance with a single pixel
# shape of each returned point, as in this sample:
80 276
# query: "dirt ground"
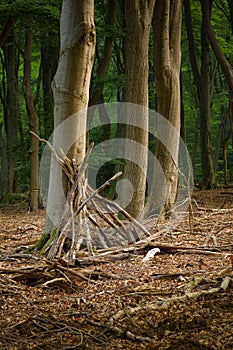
182 298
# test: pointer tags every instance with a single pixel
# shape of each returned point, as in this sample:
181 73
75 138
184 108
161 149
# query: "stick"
98 190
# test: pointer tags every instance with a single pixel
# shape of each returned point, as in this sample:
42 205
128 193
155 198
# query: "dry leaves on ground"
181 298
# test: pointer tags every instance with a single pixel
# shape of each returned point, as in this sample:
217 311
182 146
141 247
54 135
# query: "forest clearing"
182 298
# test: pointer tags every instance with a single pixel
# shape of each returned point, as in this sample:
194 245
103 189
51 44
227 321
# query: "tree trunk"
104 60
71 95
201 80
208 176
226 141
49 61
224 112
138 17
3 166
230 5
101 72
167 36
12 110
33 122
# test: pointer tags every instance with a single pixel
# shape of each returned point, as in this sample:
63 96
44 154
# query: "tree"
224 63
138 17
49 61
167 58
33 121
11 116
10 22
103 58
208 180
201 80
3 166
71 92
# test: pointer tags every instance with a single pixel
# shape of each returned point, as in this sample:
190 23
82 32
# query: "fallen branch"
162 304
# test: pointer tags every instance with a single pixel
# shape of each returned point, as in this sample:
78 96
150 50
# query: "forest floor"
182 298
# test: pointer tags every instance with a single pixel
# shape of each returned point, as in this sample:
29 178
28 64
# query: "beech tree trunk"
71 92
138 17
167 36
33 122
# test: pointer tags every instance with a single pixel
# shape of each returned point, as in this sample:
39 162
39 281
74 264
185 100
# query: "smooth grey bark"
71 94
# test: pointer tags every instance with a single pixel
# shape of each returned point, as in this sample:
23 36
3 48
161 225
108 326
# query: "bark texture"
138 17
167 51
208 176
202 83
71 90
33 122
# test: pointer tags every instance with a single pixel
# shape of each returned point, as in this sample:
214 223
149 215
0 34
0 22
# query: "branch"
6 30
225 65
60 161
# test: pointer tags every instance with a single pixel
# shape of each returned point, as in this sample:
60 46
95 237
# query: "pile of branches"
89 219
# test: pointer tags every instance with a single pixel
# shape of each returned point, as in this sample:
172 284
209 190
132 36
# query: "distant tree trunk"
182 112
105 56
167 36
201 80
71 91
230 5
3 166
12 110
49 61
196 141
226 141
33 122
104 59
224 112
138 17
208 176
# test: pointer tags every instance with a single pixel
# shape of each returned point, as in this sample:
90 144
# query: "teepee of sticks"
89 219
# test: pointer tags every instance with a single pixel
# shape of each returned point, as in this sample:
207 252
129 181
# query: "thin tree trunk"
12 110
104 60
49 61
208 176
96 96
219 137
201 80
33 122
3 166
230 5
226 141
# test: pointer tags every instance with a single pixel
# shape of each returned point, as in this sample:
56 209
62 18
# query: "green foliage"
38 8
